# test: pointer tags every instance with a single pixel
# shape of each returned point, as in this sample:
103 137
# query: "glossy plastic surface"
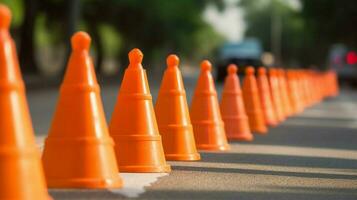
21 172
133 126
207 122
284 93
275 95
233 112
265 98
78 151
252 103
173 115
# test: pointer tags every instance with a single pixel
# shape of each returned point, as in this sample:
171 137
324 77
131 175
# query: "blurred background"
285 33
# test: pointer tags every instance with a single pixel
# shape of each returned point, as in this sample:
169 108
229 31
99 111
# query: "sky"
230 22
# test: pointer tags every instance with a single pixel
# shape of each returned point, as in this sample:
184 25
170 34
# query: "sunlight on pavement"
294 151
274 168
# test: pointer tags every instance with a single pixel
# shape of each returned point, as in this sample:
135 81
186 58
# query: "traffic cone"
265 98
333 90
173 117
300 90
284 93
305 89
293 92
206 117
133 126
78 151
252 103
275 94
233 112
21 173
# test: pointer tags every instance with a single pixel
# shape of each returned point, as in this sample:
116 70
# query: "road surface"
310 156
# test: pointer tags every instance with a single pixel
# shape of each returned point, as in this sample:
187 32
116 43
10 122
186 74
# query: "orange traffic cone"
78 151
206 118
293 92
275 94
284 93
21 173
333 91
133 126
301 93
252 103
173 117
233 112
265 98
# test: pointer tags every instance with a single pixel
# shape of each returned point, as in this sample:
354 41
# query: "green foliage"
259 15
17 11
308 34
111 40
158 27
330 22
336 20
154 26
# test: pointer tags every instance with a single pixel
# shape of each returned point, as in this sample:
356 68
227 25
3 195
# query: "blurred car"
344 61
243 54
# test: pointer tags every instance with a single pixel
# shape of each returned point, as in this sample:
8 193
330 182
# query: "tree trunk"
27 47
71 21
97 41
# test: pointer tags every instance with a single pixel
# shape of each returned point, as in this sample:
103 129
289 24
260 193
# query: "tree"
259 17
158 27
307 34
329 22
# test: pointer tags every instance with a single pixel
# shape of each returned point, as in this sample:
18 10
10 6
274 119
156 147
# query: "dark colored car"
243 54
344 61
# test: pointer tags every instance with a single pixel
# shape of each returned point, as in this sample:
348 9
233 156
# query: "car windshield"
246 49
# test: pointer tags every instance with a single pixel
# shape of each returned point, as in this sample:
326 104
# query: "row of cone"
82 152
268 98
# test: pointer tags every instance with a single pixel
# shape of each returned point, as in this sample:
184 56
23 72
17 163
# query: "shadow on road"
307 136
319 194
280 160
265 172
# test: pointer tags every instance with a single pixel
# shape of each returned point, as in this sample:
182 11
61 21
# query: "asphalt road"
310 156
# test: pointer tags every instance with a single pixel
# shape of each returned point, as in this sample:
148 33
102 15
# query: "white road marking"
135 183
344 109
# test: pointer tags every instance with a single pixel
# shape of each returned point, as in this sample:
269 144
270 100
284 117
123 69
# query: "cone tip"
232 69
81 41
262 71
206 65
172 60
5 16
249 70
135 56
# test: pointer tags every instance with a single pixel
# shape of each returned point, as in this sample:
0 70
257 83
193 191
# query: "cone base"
246 137
281 120
183 157
210 147
145 169
272 123
85 183
261 131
